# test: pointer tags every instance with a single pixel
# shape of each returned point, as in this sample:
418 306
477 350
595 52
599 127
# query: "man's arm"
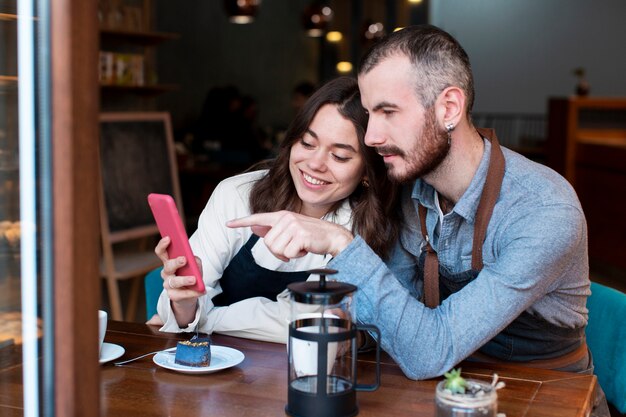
428 342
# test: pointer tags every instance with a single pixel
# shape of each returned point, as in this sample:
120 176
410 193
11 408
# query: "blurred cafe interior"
102 99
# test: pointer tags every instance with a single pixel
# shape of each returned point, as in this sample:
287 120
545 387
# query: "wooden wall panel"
601 187
587 144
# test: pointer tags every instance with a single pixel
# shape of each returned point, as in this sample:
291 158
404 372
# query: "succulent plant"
455 382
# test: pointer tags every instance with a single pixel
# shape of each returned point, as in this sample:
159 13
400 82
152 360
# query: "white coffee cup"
102 322
304 352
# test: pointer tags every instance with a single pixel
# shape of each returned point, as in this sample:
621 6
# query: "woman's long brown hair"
375 211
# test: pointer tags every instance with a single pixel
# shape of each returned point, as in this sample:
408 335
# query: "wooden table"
258 386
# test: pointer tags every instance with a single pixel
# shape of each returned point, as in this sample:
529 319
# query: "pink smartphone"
169 223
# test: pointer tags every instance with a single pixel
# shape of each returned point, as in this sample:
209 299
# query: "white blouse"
216 245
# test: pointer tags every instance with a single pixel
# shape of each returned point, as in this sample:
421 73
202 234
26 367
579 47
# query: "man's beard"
430 148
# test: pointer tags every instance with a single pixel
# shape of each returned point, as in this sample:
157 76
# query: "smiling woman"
325 165
323 170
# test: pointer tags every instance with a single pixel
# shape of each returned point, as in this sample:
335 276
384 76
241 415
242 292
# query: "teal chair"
606 337
153 285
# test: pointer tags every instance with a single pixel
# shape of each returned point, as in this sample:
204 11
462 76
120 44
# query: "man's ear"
450 106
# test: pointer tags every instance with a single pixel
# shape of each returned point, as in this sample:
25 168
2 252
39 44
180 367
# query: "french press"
322 349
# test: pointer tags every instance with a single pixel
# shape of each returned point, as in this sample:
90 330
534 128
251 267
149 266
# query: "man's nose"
373 134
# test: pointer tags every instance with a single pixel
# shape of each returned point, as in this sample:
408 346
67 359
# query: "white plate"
110 352
222 357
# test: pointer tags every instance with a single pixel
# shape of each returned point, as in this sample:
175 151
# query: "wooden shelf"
8 81
139 89
608 137
136 36
145 38
583 120
587 136
8 16
11 17
603 103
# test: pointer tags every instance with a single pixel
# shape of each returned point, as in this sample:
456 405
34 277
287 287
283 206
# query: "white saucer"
222 357
110 352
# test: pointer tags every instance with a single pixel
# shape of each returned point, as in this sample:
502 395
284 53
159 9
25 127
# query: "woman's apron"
243 278
528 338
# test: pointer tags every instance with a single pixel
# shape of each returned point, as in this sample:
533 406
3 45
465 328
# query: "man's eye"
387 112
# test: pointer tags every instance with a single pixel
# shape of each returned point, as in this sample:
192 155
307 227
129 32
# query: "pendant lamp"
315 18
241 11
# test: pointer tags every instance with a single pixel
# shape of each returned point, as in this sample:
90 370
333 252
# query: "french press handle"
376 385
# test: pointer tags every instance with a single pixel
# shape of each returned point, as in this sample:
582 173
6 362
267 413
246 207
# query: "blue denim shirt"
535 260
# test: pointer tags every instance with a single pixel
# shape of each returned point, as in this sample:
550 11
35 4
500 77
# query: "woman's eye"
341 158
305 144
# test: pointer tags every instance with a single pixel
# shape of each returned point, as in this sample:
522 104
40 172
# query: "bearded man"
492 261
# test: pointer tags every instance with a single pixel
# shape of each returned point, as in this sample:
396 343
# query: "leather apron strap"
431 266
488 198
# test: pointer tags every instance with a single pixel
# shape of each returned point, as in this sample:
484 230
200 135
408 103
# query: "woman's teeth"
313 180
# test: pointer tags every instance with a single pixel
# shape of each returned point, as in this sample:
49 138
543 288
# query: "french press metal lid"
320 292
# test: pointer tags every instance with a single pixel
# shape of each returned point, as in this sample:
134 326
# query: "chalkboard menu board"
136 158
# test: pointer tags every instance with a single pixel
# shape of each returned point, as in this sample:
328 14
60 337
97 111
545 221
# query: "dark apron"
243 278
528 337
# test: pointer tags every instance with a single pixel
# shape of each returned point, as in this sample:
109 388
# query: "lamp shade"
241 11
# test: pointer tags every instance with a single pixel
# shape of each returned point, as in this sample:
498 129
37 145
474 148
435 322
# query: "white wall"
523 51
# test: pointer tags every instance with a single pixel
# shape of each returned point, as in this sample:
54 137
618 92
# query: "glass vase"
480 399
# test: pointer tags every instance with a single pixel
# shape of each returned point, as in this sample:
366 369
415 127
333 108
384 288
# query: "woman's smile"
312 180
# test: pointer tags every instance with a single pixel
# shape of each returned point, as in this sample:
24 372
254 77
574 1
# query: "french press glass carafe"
322 349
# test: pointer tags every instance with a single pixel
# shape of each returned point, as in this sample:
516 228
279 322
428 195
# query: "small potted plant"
456 395
582 87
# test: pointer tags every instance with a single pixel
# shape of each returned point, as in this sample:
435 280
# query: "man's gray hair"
437 58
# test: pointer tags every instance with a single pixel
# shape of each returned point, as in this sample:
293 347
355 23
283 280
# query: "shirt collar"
467 205
341 216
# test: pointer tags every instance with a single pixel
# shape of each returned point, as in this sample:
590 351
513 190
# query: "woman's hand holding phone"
176 254
183 285
179 288
171 225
